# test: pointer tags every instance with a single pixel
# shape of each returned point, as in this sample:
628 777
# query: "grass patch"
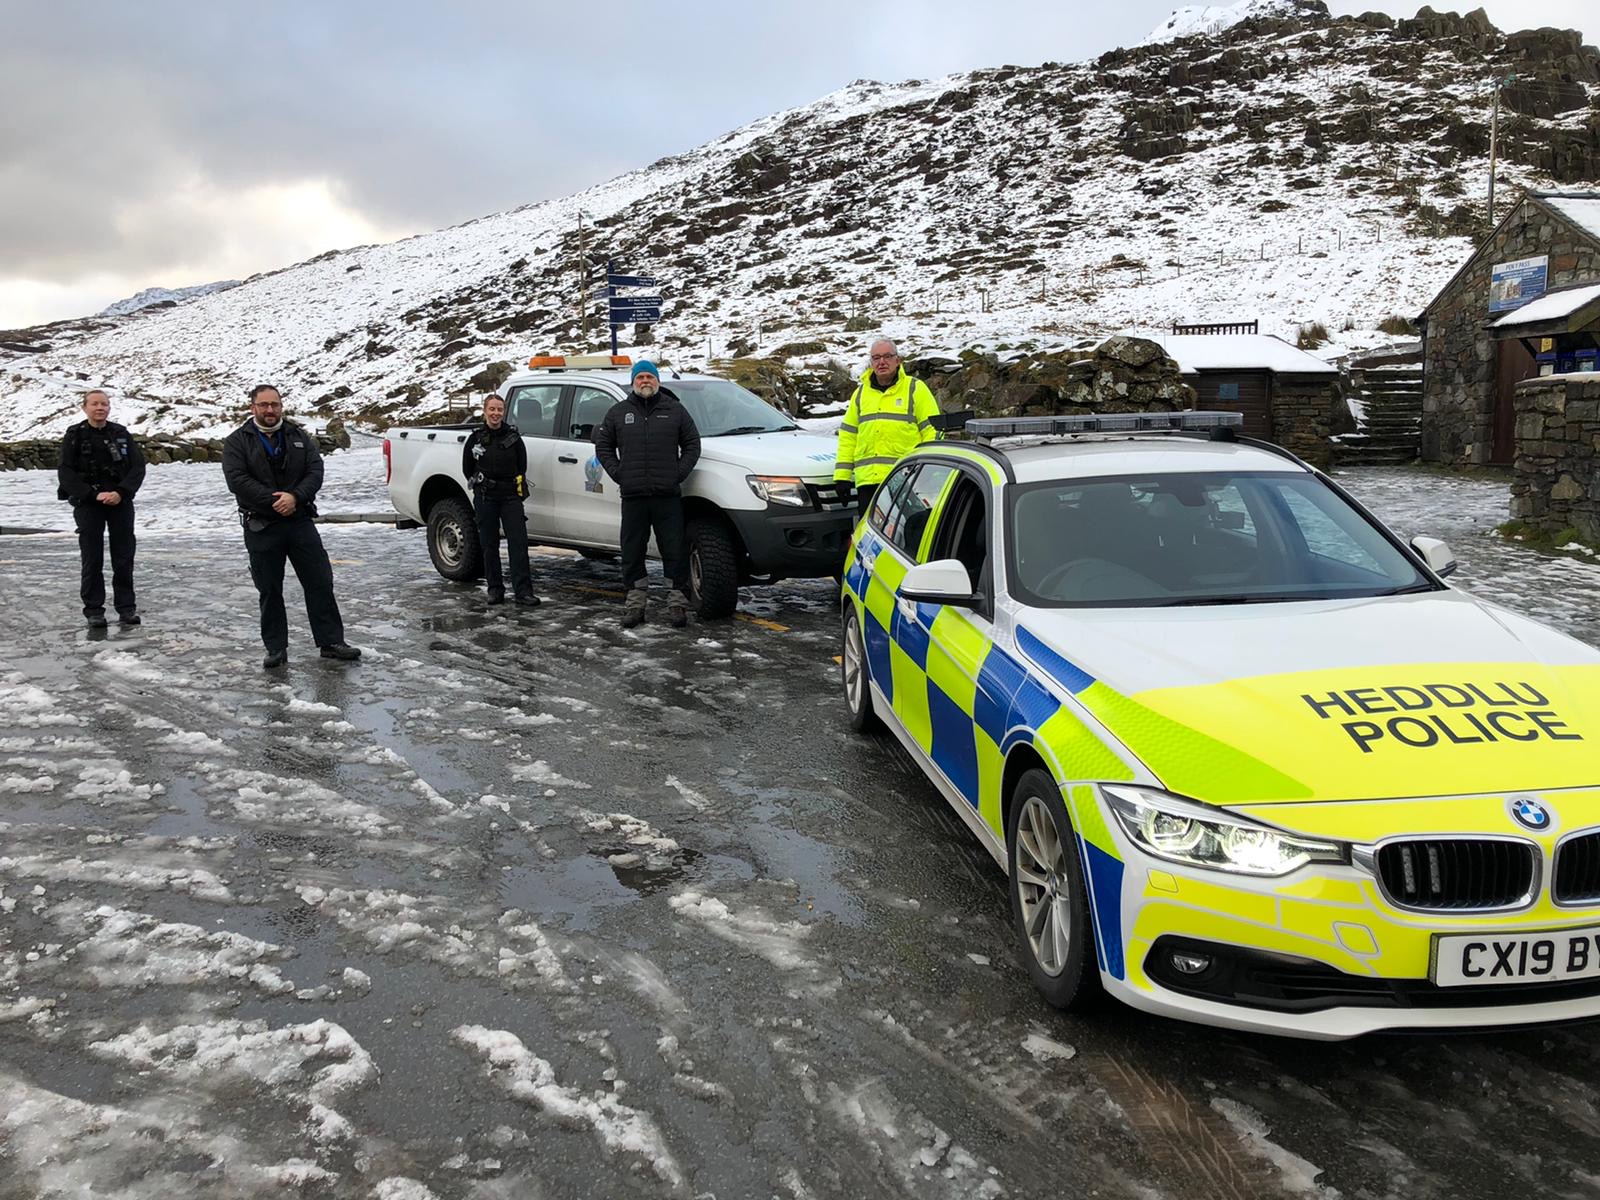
1398 326
1311 336
1560 541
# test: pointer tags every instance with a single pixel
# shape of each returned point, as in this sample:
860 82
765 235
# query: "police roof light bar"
987 429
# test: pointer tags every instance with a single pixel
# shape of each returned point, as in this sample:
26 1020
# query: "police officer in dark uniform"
101 468
495 462
274 470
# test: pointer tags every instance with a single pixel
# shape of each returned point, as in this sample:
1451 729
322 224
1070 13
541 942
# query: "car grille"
1577 876
826 496
1457 873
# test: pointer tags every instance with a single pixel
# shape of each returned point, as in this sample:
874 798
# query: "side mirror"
1439 557
942 582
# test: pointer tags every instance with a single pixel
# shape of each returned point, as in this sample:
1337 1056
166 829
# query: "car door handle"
566 458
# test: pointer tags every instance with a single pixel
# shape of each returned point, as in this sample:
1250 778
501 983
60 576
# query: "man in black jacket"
101 468
648 444
494 461
274 470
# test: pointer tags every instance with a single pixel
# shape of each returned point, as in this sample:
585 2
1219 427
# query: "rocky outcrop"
1122 374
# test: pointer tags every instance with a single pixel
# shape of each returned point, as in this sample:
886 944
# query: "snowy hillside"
1214 18
1291 168
166 297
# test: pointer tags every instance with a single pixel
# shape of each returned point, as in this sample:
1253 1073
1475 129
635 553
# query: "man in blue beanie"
648 444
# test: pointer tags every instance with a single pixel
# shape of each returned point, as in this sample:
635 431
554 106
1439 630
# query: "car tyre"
713 569
1049 902
855 676
453 541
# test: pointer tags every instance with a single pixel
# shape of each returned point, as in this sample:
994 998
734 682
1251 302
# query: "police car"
1244 755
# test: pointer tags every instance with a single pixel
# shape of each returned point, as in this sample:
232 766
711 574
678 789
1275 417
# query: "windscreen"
720 407
1197 538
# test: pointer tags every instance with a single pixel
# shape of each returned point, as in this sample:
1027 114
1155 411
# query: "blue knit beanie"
643 367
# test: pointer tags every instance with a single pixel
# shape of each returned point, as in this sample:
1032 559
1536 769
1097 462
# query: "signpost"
628 309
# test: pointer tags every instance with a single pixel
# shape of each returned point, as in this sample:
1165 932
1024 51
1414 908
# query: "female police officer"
495 462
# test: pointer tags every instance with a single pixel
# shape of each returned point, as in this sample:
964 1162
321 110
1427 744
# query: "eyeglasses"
883 357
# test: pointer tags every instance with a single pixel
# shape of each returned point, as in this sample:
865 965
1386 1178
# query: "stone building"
1286 395
1548 242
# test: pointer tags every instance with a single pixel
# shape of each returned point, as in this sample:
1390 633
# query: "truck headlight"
1199 836
780 489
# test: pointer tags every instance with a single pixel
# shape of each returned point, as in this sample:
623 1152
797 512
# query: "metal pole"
583 282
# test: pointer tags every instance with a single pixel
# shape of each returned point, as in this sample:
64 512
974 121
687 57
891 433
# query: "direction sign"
617 281
624 316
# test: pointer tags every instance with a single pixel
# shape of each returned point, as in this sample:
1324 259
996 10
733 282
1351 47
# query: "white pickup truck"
760 505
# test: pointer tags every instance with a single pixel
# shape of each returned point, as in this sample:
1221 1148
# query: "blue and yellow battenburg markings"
967 703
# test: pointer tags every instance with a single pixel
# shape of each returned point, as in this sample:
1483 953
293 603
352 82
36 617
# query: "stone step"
1381 441
1373 458
1397 397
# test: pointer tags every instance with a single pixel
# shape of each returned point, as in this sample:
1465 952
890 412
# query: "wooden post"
1494 144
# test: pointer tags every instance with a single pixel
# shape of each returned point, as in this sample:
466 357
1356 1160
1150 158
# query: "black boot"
341 651
129 618
275 659
96 620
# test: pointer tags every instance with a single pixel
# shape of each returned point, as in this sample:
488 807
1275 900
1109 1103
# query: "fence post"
1300 244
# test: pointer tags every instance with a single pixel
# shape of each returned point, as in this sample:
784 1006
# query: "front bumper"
1318 953
793 542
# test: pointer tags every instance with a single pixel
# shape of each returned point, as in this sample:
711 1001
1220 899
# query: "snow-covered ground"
526 905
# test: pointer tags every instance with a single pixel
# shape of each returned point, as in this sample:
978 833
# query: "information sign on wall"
1513 284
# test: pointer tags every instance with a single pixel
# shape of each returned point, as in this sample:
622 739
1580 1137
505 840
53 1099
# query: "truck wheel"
453 541
713 569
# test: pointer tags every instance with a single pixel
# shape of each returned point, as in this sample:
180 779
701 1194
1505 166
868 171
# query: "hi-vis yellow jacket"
882 427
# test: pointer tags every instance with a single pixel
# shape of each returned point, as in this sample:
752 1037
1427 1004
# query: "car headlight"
1198 836
780 489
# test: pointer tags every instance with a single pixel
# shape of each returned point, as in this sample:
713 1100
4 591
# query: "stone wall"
44 454
1557 486
1302 416
1459 385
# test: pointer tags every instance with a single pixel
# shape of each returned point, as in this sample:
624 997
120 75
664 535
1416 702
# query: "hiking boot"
129 618
528 601
634 604
341 651
497 598
677 609
96 620
274 660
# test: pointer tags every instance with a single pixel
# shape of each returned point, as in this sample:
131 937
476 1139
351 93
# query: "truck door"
587 509
532 409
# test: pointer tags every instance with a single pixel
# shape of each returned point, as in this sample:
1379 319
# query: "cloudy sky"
175 142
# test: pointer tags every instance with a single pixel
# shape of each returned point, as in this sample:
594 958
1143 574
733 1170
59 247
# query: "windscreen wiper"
752 429
1187 601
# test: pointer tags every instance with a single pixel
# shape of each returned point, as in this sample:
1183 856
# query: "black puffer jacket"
253 474
98 460
495 461
648 446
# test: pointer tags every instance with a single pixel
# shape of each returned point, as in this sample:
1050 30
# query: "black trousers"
296 541
494 513
664 515
94 520
864 495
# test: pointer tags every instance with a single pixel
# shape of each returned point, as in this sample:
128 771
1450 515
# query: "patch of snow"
1298 1175
525 1076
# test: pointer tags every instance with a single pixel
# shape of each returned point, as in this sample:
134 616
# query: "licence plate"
1476 959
